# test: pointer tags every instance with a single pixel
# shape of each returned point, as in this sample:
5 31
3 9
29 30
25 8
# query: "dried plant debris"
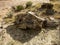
48 9
49 24
47 6
17 8
28 4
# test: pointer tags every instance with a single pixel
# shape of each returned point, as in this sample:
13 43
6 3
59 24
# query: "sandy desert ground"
13 36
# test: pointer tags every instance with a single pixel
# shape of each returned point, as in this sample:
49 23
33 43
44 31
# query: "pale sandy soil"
13 36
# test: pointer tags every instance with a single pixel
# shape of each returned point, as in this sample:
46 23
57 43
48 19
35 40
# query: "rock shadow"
22 35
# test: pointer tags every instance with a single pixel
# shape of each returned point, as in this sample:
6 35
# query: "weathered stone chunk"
24 21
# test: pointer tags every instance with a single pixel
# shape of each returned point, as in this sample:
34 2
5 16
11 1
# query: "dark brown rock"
50 12
49 24
24 21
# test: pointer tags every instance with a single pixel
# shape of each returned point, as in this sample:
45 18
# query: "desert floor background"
13 36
